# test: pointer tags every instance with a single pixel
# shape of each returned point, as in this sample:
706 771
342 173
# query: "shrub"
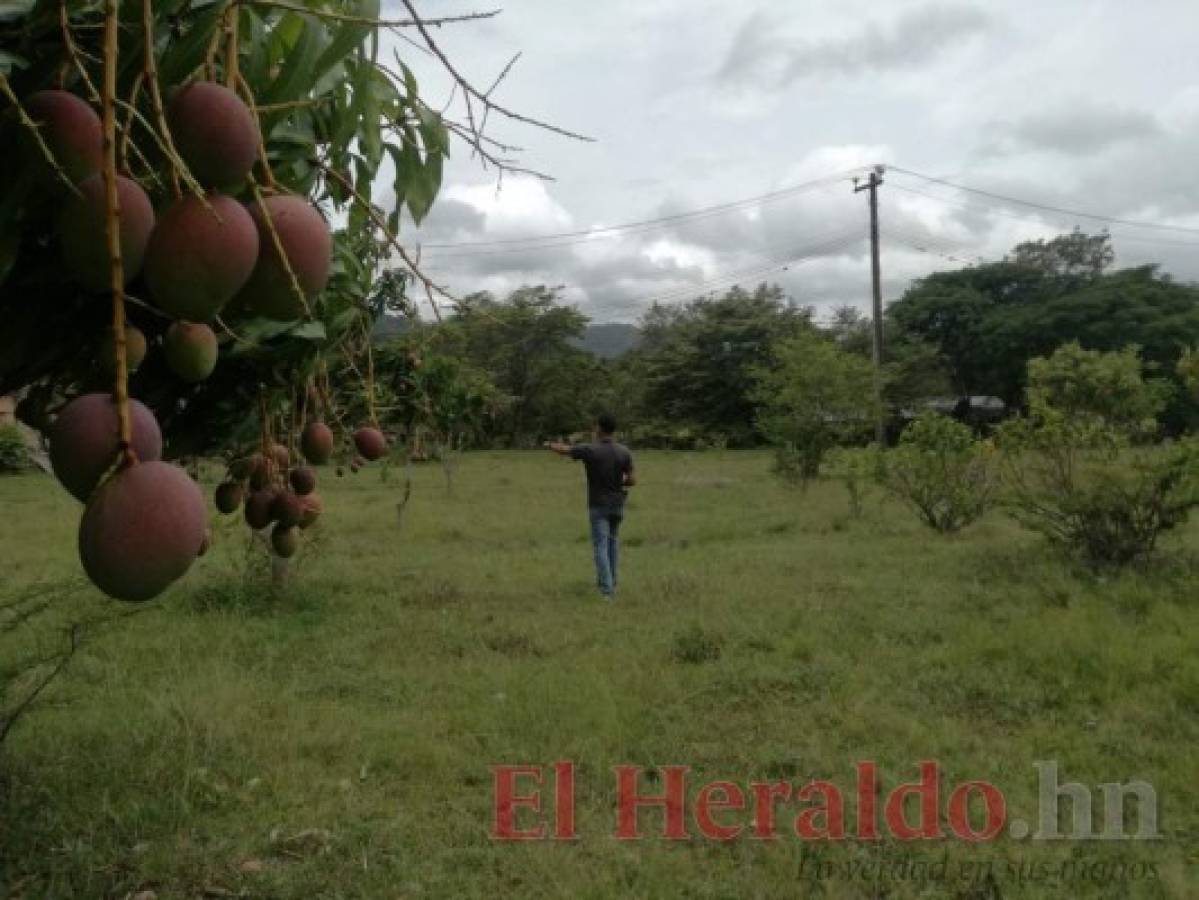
13 454
1086 489
1073 470
942 472
813 396
857 468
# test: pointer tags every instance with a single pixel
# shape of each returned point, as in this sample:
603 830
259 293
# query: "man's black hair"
606 423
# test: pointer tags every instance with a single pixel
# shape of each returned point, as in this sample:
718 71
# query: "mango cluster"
201 252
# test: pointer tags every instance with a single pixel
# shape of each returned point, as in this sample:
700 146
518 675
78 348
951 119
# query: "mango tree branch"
112 228
248 95
232 17
150 74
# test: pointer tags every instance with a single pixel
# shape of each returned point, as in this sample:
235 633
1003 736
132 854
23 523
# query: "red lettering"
673 801
832 812
867 801
929 826
959 811
506 802
764 794
731 797
564 801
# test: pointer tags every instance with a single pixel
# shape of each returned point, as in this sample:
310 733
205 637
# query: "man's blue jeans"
605 531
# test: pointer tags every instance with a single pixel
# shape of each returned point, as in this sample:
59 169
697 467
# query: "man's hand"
558 447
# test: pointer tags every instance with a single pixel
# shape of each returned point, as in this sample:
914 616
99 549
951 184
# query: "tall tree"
525 345
812 395
698 360
988 321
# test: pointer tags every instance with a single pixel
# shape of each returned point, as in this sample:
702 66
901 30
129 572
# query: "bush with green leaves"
857 468
940 471
1077 467
813 397
13 455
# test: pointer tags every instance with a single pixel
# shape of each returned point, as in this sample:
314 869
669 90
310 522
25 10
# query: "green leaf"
348 36
434 135
11 10
424 187
185 53
10 61
298 74
309 331
410 82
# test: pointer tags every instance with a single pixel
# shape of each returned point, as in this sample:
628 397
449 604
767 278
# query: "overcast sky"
692 103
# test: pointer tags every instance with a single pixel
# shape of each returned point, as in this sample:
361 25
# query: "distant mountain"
610 341
607 341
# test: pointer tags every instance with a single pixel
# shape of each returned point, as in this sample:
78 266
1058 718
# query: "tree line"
752 366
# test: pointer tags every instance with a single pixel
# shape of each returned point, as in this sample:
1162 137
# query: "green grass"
335 740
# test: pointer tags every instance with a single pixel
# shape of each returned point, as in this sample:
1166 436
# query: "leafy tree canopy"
988 321
697 361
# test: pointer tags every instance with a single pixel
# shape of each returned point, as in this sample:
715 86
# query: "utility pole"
872 185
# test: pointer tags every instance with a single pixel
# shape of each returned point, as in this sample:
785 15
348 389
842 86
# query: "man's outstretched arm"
558 447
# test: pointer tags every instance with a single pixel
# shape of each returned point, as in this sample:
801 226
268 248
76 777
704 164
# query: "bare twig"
469 90
74 55
380 222
169 151
293 104
233 334
11 719
248 95
278 244
377 23
147 307
73 52
123 149
495 84
150 74
469 132
21 611
32 126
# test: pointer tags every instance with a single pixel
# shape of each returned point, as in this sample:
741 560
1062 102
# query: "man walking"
609 476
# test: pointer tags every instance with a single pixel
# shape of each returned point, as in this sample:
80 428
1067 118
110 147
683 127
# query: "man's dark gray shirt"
607 462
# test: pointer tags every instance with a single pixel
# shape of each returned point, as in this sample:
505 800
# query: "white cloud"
1096 112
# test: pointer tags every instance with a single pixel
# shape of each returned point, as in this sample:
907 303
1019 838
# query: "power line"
730 278
1140 239
567 238
925 247
1045 207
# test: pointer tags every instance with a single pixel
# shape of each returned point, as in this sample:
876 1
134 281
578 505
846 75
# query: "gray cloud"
1049 105
762 49
1081 129
452 219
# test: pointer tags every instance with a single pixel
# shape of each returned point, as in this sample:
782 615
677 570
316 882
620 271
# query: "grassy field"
336 741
